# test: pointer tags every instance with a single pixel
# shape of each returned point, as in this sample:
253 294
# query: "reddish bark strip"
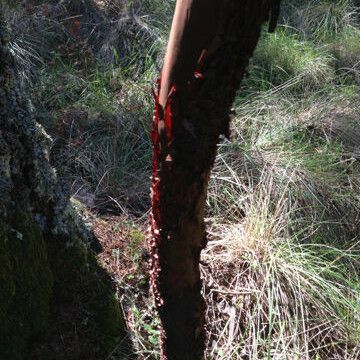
210 45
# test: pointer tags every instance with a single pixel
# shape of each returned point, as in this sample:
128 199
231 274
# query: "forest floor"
282 268
124 255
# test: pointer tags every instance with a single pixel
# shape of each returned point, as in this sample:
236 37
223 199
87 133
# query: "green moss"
81 284
25 285
33 277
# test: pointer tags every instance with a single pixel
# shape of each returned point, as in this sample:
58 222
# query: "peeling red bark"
210 45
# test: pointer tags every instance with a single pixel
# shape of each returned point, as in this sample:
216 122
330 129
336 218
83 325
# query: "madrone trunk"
210 44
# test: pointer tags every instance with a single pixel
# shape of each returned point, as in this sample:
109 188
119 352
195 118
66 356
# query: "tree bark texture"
209 48
50 282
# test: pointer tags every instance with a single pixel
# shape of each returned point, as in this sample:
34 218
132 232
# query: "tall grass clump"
137 41
283 261
283 60
346 48
272 296
98 123
323 20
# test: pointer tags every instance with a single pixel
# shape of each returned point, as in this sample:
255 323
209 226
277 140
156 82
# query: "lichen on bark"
46 264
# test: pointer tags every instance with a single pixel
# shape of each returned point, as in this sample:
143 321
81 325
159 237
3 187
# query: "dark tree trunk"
210 45
55 301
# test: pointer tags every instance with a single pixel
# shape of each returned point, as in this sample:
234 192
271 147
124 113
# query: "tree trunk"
209 48
55 301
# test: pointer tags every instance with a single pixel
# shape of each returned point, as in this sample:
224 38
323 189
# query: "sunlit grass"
274 295
282 57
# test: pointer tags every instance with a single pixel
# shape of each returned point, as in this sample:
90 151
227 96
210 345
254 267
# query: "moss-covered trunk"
209 48
55 301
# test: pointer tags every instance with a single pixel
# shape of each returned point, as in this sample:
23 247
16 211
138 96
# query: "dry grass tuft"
270 296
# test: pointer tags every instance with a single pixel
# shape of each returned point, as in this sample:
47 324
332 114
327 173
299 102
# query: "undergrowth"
282 266
272 295
282 274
